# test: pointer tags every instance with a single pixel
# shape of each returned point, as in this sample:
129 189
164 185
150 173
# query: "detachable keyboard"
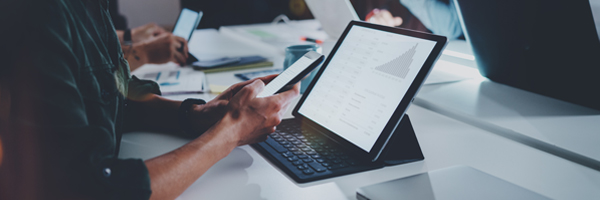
306 155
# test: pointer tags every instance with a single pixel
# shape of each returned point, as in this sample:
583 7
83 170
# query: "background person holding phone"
151 44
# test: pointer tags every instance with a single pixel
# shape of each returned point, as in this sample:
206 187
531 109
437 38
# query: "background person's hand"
165 48
254 118
146 32
384 17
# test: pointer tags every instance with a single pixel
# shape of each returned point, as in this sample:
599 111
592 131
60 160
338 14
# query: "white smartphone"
293 74
186 23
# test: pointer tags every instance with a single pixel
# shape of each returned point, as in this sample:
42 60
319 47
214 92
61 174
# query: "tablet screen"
364 82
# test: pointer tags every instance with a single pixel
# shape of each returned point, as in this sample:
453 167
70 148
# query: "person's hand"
384 17
205 116
164 48
253 118
146 32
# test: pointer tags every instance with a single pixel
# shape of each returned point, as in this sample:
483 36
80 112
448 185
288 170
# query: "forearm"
134 53
174 172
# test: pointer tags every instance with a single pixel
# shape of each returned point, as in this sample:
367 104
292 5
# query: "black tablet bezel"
200 15
392 124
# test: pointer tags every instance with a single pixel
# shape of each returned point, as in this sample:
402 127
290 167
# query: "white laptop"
458 182
334 15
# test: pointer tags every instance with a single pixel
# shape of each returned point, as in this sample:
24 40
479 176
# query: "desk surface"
245 174
445 142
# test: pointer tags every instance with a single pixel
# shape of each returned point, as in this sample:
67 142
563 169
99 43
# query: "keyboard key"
306 149
308 171
284 142
293 158
336 161
296 142
317 167
297 152
276 146
311 152
301 167
303 156
287 154
308 160
320 160
301 146
288 145
297 162
325 164
279 139
331 157
293 149
316 156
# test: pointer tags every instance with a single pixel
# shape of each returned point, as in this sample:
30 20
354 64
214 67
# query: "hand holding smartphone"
293 74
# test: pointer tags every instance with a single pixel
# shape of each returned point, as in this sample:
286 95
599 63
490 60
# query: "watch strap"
185 110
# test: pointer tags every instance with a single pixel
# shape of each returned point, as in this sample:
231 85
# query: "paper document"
176 81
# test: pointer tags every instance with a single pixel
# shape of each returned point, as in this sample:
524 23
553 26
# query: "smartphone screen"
187 22
293 74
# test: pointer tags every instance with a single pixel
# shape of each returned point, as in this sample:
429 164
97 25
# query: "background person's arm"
439 17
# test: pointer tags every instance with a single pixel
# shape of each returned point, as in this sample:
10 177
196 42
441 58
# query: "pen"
311 40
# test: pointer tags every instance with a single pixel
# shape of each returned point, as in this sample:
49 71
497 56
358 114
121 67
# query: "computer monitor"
549 47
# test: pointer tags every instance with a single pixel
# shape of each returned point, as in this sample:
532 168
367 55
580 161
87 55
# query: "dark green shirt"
78 85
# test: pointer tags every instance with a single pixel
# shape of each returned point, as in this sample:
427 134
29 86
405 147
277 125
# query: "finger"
398 21
185 49
179 58
179 39
234 89
269 78
249 91
286 96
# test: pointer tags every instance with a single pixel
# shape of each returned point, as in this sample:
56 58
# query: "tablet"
367 83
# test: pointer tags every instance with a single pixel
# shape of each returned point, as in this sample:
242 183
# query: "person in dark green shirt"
66 96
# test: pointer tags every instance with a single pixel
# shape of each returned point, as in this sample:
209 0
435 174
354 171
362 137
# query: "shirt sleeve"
439 17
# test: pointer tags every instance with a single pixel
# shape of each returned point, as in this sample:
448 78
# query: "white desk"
244 174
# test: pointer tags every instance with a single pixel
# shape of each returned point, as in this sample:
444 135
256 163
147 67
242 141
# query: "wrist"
223 134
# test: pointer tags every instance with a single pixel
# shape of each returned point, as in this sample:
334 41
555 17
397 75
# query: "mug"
295 52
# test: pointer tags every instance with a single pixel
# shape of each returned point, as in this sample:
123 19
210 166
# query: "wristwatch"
184 114
127 37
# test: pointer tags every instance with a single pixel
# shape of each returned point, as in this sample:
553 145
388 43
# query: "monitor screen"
364 82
